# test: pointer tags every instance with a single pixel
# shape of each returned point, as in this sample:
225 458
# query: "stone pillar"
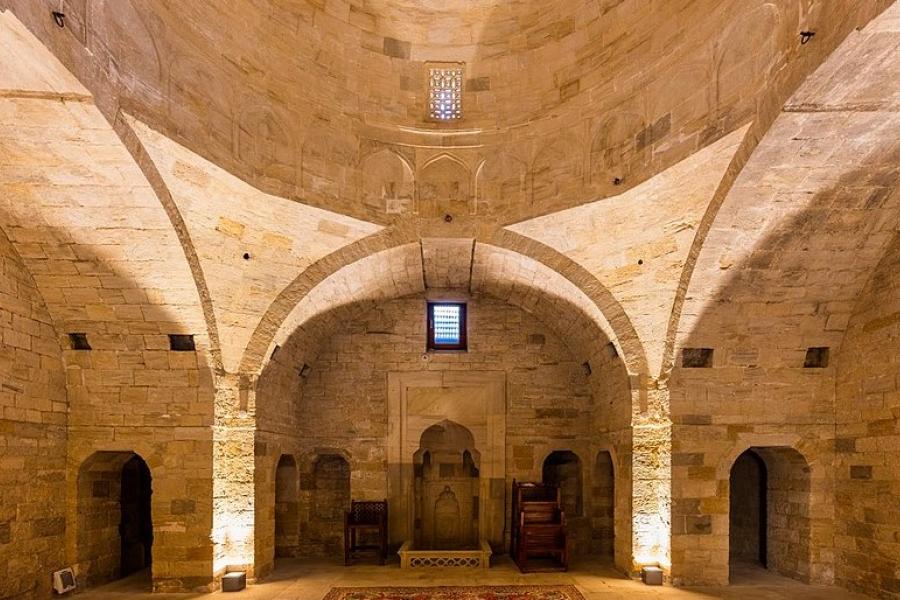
651 473
234 435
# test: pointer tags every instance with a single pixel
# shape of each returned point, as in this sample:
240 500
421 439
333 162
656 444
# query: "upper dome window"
445 82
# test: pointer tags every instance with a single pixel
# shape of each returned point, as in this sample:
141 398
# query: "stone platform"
411 558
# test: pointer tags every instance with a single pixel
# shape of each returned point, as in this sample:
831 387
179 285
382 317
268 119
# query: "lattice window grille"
447 324
445 93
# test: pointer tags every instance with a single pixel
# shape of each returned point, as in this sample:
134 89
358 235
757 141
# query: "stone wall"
344 124
867 467
342 400
324 498
722 411
32 436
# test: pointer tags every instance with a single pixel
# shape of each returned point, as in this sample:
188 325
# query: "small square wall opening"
816 358
79 341
697 358
181 343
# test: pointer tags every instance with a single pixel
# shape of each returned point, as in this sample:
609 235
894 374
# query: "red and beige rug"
486 592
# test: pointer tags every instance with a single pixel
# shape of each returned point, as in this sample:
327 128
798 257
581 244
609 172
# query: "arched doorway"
114 521
136 522
286 507
563 468
604 507
769 520
748 512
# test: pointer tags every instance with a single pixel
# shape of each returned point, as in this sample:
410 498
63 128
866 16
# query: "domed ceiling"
325 101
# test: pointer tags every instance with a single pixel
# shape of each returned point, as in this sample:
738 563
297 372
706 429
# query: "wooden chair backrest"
367 512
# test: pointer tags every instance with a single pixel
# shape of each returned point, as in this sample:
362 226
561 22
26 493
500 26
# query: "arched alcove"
769 516
446 488
113 518
563 468
286 507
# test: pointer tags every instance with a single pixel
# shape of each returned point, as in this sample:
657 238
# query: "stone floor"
303 580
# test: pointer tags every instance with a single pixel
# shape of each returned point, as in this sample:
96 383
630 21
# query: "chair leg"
346 546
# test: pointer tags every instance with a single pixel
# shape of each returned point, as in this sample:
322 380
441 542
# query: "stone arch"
287 501
557 169
789 526
447 435
262 138
265 337
388 183
618 148
321 161
394 256
139 55
188 83
443 186
501 182
744 56
124 128
113 522
769 129
618 325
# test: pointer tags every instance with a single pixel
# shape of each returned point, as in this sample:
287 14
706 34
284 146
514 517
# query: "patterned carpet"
485 592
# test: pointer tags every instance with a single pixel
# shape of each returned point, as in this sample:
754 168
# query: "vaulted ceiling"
661 170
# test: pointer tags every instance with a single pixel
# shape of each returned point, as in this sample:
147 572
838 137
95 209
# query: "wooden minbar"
538 540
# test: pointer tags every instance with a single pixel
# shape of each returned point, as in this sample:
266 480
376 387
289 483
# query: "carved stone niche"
446 452
446 489
444 188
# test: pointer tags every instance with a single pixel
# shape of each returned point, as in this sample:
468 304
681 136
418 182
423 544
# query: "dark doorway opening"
114 526
748 531
563 468
136 523
770 526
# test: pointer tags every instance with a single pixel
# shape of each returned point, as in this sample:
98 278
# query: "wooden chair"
538 527
368 517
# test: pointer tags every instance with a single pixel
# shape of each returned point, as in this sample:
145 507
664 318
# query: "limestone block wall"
341 404
32 436
344 123
867 447
717 414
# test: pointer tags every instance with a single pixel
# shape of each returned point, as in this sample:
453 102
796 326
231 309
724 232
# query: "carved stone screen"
445 92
